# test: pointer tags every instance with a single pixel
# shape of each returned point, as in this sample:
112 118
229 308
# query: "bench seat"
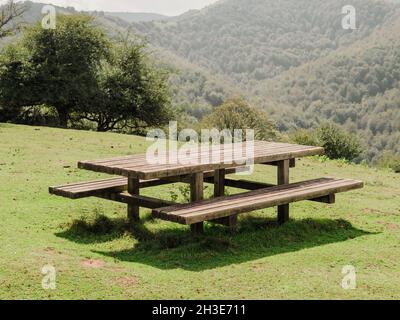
116 185
91 188
217 208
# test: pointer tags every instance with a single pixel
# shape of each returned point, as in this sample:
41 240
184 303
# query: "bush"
389 160
236 114
338 143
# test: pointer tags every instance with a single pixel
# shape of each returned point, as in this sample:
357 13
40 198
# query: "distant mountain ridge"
137 16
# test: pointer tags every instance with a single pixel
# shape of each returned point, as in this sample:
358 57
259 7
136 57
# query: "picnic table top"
199 160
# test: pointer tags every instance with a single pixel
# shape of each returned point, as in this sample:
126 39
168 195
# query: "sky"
166 7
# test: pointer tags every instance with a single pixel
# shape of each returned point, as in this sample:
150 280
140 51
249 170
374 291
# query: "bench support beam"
283 178
197 194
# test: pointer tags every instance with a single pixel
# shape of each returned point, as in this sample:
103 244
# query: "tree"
131 92
338 144
238 114
8 12
389 160
54 67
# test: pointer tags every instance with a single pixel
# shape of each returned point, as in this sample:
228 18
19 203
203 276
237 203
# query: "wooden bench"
322 190
115 189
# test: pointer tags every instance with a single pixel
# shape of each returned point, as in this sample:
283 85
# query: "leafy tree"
338 143
54 67
390 160
131 92
9 12
238 114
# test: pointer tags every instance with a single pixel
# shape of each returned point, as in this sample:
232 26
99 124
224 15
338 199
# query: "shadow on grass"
175 247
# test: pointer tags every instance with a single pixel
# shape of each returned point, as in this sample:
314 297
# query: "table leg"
197 194
134 189
219 183
283 178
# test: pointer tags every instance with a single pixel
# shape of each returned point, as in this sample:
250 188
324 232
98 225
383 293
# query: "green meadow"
98 255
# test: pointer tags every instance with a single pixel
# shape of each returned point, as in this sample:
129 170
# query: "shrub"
338 143
238 114
389 160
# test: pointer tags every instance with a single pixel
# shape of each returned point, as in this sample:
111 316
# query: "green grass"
98 255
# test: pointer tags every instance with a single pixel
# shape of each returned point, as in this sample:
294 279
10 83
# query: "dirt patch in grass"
92 263
127 281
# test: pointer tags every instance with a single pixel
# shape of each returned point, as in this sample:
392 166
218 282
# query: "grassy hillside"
302 259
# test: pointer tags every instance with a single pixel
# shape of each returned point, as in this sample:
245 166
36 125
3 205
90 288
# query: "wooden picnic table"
210 166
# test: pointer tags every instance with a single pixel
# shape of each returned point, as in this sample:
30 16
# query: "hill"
252 40
293 58
89 240
137 16
357 87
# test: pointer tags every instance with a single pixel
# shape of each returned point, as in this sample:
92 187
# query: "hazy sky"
167 7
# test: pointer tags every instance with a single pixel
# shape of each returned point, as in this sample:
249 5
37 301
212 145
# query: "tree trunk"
62 117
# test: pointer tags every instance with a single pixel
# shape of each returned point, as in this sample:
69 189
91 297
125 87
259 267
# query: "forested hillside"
291 57
294 59
251 40
357 87
137 16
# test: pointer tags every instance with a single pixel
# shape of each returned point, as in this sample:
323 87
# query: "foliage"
131 92
9 12
81 74
56 67
252 40
236 114
294 59
338 143
390 160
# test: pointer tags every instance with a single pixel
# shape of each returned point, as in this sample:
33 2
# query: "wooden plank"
292 163
329 199
255 200
246 184
133 189
283 179
196 195
264 152
88 189
231 199
136 200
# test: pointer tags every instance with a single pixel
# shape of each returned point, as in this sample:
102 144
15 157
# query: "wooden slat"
264 152
255 200
242 184
87 189
136 200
